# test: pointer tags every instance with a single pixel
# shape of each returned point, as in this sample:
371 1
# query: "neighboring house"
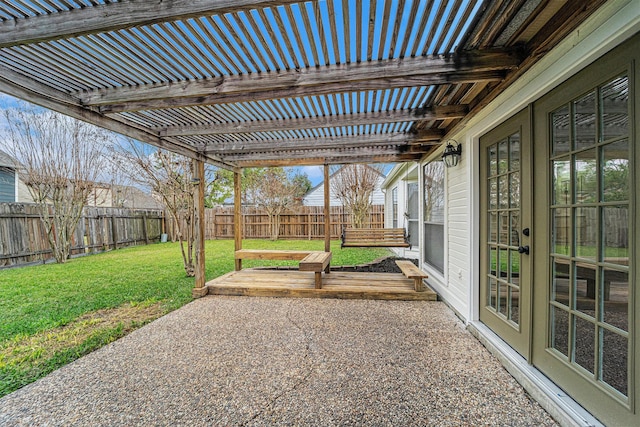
315 196
12 188
533 237
122 196
8 179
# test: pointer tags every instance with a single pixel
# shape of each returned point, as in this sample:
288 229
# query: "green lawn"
52 314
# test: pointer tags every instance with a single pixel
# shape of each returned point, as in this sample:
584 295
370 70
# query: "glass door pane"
503 187
505 216
590 243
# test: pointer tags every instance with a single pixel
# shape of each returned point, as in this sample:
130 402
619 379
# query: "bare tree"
61 160
275 192
170 176
354 185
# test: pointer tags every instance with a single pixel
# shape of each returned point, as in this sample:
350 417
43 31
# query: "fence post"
114 231
144 228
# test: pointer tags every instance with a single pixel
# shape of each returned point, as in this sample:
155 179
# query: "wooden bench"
375 238
280 255
587 271
315 261
410 270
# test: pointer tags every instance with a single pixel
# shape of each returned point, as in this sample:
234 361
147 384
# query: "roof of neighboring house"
6 160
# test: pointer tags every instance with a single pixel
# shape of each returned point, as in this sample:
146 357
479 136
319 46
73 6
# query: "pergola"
277 83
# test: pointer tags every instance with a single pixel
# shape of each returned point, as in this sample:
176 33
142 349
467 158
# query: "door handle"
524 249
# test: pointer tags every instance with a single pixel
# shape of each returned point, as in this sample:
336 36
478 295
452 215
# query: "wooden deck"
301 284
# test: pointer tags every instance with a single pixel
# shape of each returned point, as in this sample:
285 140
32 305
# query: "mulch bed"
382 265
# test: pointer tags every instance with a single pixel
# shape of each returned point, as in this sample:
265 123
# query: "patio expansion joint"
308 363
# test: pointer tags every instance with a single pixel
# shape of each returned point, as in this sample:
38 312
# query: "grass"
53 314
585 251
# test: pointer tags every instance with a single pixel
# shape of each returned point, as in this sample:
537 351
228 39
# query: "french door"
585 330
505 230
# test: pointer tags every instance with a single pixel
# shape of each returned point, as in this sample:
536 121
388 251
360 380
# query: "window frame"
424 222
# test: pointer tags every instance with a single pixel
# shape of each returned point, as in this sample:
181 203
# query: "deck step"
301 284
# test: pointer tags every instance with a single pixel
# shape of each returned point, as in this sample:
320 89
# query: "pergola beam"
382 150
225 150
373 118
116 16
335 160
255 94
407 72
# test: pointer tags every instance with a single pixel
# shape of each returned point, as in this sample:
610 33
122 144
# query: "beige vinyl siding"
23 193
315 197
458 238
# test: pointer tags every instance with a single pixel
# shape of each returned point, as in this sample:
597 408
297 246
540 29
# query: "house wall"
615 22
315 197
23 193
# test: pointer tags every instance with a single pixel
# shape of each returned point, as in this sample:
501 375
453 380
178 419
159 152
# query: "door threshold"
565 410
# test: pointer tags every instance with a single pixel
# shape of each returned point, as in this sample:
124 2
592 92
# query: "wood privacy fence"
304 222
24 240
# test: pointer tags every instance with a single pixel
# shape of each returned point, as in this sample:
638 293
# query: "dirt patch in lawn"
29 350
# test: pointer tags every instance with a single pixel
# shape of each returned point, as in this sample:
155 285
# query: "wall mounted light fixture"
452 153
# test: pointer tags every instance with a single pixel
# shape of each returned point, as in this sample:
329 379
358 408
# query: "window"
7 185
413 220
394 200
434 215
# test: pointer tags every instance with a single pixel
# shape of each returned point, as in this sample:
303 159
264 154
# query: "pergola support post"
237 214
199 289
327 213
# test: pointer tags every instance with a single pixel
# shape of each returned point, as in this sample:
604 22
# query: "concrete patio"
277 361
